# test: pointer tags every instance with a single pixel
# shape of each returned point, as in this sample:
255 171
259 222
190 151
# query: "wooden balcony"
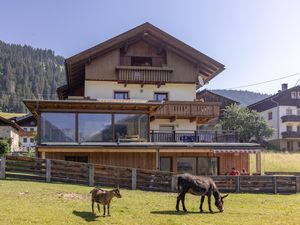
143 74
193 110
290 134
290 118
27 133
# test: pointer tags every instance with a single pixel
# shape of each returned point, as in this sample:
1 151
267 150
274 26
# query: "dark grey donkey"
201 186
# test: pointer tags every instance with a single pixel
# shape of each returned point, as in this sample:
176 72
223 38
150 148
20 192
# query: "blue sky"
256 40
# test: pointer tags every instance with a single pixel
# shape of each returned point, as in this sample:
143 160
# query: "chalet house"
282 112
10 130
28 137
131 101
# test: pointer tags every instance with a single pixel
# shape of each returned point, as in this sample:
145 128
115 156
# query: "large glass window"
166 164
121 95
161 96
95 127
131 127
207 166
57 127
186 165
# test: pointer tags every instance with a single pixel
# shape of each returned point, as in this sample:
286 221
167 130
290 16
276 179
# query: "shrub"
4 146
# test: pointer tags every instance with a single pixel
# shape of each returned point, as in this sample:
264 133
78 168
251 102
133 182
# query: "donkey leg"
182 201
103 210
93 206
98 207
209 203
108 206
201 203
177 202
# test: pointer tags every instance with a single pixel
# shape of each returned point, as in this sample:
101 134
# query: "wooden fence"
132 178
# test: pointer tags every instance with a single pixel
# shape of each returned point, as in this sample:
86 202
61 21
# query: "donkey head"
220 203
117 192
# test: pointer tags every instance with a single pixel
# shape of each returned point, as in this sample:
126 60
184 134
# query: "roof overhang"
36 106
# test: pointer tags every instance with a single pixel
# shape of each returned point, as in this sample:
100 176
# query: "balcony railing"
290 134
290 118
194 136
144 74
187 109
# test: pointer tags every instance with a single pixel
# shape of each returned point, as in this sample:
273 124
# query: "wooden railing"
290 134
290 118
146 74
47 170
188 109
194 136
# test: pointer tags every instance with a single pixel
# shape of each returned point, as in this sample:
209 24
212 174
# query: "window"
132 127
82 159
121 95
289 111
25 128
141 61
293 95
31 140
166 164
57 127
95 127
31 129
161 96
298 129
289 128
25 140
270 115
186 165
207 166
298 95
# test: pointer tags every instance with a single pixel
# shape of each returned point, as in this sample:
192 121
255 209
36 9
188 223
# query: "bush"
4 146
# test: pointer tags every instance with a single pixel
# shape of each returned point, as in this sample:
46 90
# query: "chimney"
284 86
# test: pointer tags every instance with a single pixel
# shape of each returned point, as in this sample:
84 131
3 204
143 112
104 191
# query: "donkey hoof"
201 211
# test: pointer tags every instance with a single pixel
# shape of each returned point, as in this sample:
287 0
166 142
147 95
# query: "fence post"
48 170
275 184
2 167
237 187
133 178
297 184
91 174
173 184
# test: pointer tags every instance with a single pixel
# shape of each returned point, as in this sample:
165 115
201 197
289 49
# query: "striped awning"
236 150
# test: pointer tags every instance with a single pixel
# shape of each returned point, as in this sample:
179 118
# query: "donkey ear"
224 196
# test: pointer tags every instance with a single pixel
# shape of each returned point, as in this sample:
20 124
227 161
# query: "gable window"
121 95
270 115
141 61
289 128
289 111
293 95
161 96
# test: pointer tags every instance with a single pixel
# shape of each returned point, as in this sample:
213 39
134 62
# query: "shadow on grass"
175 213
87 216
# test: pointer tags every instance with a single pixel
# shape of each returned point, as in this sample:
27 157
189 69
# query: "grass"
25 203
10 115
278 161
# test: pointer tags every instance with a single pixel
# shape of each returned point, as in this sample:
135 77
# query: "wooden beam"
173 118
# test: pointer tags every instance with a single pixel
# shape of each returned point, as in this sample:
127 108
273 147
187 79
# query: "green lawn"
283 162
25 203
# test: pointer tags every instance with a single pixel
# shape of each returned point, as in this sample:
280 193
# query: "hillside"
243 97
28 73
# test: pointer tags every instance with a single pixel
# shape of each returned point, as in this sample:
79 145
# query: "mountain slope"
28 73
243 97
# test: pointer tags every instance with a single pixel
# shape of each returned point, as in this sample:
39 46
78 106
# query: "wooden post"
157 159
258 162
48 170
91 174
297 184
2 167
237 187
274 184
173 184
133 178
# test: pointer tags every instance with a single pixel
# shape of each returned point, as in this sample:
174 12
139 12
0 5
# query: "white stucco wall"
9 132
274 123
105 90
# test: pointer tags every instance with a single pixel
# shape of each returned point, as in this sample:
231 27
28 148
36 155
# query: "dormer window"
141 61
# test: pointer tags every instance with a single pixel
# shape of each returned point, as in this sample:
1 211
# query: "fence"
132 178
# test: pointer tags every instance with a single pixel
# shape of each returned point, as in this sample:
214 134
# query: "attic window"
141 61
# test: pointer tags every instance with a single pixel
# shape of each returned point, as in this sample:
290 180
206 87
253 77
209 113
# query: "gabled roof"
276 99
7 122
75 65
213 93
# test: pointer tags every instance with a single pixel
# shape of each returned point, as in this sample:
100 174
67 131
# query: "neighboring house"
28 136
209 96
282 112
131 101
10 130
